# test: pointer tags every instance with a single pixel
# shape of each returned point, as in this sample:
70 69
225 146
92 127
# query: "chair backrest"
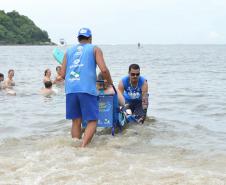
110 114
107 110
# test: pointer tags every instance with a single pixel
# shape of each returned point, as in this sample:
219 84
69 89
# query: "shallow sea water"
182 142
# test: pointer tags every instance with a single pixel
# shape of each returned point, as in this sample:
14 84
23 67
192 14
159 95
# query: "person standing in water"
79 71
47 76
6 87
1 81
9 83
58 79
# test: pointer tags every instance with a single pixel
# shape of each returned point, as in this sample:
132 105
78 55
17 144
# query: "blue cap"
85 32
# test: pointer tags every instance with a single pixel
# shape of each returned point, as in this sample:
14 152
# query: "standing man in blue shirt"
79 71
135 91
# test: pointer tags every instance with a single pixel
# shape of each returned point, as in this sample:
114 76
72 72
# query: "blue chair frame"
108 111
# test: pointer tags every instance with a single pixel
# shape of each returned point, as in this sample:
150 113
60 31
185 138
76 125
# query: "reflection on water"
182 142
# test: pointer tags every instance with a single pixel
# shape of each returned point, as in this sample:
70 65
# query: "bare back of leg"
89 132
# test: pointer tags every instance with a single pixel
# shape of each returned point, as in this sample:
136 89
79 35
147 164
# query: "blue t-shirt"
132 93
81 70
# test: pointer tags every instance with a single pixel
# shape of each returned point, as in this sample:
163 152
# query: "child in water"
7 85
47 91
108 89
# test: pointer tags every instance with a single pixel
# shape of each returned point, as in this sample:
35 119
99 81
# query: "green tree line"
19 29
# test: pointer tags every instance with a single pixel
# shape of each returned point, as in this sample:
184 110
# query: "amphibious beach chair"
110 114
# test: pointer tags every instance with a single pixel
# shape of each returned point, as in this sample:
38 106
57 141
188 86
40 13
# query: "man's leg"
76 128
89 132
139 113
73 112
90 111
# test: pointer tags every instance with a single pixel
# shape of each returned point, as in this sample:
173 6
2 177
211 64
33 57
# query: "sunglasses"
135 74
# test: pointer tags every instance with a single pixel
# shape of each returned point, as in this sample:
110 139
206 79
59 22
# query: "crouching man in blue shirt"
135 91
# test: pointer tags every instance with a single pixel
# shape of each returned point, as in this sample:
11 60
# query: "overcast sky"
128 21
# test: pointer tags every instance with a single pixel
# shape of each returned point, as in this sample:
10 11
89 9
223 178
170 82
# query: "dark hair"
102 84
46 72
100 76
10 71
58 67
1 75
48 84
82 37
134 66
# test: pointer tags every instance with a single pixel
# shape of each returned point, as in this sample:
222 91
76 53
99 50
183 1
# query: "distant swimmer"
47 76
47 91
8 83
1 81
6 89
58 79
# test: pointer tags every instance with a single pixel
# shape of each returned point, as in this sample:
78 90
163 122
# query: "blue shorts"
82 105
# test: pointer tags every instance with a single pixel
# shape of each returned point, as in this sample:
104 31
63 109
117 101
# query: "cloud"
214 35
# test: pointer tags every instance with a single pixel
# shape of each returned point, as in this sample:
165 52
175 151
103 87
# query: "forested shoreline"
16 29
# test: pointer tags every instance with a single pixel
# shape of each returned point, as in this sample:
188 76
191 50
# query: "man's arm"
121 87
145 96
64 65
145 88
121 99
101 64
